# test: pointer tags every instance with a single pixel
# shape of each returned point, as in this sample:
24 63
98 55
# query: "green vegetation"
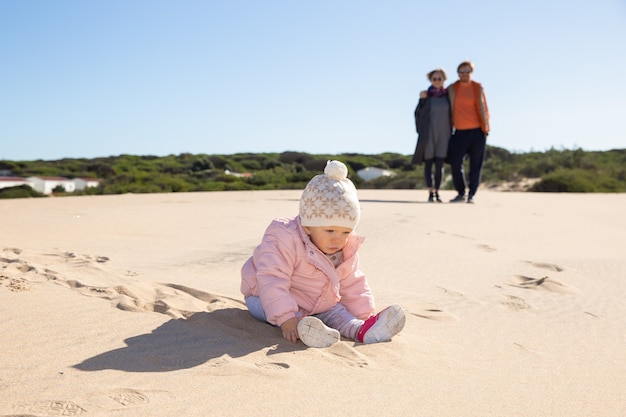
20 191
551 171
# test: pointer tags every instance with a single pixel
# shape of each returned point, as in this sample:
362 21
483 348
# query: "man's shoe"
458 199
470 200
314 333
383 326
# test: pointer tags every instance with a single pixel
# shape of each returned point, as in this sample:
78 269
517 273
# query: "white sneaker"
314 333
383 326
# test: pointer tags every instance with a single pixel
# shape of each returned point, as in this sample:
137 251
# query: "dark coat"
422 125
422 120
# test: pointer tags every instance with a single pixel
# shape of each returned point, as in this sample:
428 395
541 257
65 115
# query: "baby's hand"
290 329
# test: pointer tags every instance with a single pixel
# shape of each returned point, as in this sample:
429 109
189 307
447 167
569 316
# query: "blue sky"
84 79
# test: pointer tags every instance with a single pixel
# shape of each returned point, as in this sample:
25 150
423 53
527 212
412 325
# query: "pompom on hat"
330 199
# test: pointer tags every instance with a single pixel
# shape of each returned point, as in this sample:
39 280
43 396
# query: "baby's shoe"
314 333
383 326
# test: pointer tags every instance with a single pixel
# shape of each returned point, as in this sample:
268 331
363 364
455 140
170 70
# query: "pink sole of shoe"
389 323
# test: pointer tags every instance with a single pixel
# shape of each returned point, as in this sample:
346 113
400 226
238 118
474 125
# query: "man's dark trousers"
472 143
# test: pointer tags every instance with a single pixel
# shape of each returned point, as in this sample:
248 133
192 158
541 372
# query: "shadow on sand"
186 343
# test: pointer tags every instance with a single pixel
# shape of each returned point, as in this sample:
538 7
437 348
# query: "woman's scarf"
436 92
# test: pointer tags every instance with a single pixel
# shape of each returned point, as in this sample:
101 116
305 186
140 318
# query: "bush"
19 191
566 180
559 170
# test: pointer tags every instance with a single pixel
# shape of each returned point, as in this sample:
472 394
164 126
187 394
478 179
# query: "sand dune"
129 306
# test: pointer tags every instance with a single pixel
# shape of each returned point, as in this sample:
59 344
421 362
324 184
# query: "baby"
304 276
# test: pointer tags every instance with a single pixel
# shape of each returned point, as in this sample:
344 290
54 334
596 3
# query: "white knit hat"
330 199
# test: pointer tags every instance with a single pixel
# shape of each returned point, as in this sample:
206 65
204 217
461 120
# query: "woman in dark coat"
434 128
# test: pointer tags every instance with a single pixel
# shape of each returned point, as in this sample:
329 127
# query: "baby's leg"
255 308
338 317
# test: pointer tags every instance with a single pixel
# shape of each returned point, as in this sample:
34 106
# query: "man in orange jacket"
470 117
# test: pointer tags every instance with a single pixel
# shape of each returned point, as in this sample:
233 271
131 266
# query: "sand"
129 305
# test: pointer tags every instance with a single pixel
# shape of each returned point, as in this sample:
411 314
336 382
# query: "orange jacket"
480 103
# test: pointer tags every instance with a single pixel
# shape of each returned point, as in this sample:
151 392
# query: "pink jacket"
290 274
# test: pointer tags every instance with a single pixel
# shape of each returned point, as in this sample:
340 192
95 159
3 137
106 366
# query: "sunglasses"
436 79
464 72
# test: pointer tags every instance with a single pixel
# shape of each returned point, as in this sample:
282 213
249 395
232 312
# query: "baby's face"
329 239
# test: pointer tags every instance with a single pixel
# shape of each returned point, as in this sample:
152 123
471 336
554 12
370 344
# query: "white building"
6 182
371 173
238 174
45 185
82 183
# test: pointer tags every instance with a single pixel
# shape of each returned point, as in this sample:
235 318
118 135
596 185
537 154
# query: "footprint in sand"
455 235
52 408
128 398
486 248
16 266
272 365
519 345
347 354
11 264
90 275
12 269
18 415
545 265
10 252
542 284
14 284
434 314
451 292
515 303
125 398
